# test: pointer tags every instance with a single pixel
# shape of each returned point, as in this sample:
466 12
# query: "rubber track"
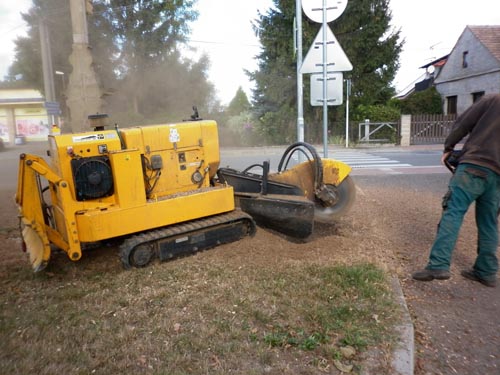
178 229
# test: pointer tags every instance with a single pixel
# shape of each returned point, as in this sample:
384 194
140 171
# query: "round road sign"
314 9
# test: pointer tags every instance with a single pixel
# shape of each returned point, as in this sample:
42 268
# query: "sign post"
347 94
300 95
325 83
333 58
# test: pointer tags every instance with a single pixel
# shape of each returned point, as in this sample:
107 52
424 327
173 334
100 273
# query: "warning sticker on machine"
93 137
174 135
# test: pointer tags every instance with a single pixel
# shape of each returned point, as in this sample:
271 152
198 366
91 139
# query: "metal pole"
48 73
325 86
348 92
300 95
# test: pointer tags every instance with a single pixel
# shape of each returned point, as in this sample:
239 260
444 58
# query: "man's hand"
445 156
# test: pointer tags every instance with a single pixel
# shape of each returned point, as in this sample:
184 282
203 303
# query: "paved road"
413 160
373 161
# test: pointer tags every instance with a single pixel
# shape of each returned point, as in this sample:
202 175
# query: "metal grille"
429 129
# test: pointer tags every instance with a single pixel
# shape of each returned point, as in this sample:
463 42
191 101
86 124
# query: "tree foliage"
237 123
365 34
135 48
28 61
146 35
378 113
239 103
364 31
427 101
274 97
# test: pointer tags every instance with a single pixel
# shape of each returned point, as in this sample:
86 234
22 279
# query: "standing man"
476 179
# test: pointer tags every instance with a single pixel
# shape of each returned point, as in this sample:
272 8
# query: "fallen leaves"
348 352
342 367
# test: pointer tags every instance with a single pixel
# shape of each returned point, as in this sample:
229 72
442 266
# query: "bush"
427 101
377 113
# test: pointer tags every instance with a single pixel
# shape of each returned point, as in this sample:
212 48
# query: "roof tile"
490 37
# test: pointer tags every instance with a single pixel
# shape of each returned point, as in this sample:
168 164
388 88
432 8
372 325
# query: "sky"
430 29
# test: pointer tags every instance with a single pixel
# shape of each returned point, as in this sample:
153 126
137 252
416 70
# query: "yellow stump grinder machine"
158 190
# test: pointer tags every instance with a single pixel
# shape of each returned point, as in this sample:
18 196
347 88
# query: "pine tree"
364 31
239 103
147 34
365 34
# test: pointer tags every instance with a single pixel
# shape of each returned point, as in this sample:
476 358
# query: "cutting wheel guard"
287 201
299 147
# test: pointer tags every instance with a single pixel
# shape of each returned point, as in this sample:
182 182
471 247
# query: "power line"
222 43
50 13
14 28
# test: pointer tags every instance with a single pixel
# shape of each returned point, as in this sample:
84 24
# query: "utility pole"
48 73
84 94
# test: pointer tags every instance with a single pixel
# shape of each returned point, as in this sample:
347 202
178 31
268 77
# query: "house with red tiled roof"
471 70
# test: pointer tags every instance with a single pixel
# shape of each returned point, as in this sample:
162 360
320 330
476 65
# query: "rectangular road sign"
335 87
52 108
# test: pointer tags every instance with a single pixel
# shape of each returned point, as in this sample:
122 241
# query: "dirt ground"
457 325
456 322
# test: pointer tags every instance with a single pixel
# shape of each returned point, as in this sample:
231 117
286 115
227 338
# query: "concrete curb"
403 361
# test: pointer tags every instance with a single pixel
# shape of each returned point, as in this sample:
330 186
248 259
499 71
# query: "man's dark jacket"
482 122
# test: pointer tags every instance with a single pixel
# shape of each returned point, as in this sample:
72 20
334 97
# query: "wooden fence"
428 129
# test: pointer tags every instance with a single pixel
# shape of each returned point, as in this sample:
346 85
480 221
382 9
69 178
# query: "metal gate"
430 129
379 132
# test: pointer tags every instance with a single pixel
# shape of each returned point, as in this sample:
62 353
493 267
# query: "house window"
477 95
451 105
465 63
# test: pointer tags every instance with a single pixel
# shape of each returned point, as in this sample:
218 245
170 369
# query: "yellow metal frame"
96 225
302 175
183 149
334 171
29 200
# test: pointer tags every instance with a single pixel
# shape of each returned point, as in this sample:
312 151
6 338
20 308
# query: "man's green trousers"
470 183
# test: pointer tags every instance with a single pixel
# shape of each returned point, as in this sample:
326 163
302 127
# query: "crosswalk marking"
366 160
